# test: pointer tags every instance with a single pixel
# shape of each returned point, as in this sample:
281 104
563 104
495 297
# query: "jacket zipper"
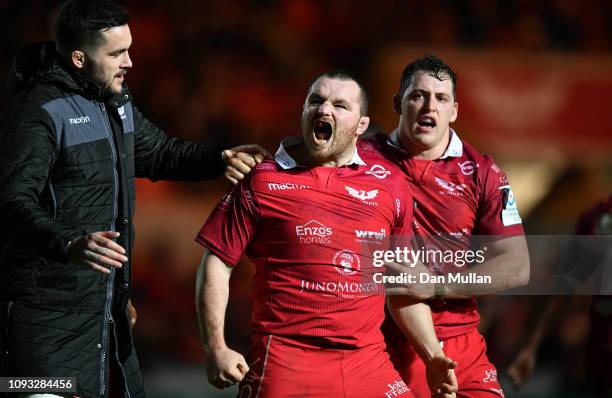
108 318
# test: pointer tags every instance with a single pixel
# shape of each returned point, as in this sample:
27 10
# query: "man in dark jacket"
72 143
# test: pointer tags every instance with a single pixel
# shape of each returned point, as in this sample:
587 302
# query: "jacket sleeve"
160 157
27 155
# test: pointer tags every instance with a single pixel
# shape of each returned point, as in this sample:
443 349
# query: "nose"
127 62
325 108
430 103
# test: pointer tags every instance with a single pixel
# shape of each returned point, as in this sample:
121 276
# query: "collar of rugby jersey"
285 161
454 149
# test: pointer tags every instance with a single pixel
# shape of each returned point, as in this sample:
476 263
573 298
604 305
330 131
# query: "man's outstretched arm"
224 366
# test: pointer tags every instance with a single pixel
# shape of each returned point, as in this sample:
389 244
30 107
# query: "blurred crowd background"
535 92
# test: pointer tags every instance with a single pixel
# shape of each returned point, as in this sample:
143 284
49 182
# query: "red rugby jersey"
310 233
459 195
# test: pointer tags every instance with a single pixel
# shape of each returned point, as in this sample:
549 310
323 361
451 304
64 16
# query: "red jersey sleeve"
231 225
498 212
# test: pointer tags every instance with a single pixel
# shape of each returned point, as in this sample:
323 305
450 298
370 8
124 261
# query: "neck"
418 151
302 156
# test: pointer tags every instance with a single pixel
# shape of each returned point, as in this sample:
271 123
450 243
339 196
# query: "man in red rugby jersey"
457 193
310 220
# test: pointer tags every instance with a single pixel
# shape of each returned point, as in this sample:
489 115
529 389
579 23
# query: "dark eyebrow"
118 51
342 102
314 96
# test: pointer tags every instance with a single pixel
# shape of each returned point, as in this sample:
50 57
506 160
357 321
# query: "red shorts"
281 367
476 375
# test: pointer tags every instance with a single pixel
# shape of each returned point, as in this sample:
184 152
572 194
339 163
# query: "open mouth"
322 130
426 122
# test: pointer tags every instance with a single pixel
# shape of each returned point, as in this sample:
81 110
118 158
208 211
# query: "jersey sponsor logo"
451 188
248 196
363 195
313 232
468 167
79 120
376 237
378 171
272 186
121 111
345 289
509 214
347 262
490 376
396 389
226 201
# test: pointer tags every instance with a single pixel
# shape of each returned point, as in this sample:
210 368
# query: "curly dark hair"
430 64
80 24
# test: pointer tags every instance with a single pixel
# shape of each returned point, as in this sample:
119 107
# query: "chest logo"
347 262
451 188
79 120
121 111
378 171
360 194
313 232
467 167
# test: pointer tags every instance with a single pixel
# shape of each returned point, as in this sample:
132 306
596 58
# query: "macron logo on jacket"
79 120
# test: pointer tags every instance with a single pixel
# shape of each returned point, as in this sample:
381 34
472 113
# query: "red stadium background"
535 90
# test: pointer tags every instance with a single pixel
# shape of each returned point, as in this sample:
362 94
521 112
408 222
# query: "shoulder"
263 173
473 161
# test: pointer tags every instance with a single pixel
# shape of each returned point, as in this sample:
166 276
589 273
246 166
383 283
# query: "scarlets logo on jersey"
347 262
363 195
378 171
451 188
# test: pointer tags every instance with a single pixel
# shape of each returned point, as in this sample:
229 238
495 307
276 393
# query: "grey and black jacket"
68 159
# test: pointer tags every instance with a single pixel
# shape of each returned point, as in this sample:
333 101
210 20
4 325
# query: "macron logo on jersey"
378 171
363 195
79 120
286 185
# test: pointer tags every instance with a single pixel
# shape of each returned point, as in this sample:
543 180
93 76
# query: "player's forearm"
212 293
506 266
413 317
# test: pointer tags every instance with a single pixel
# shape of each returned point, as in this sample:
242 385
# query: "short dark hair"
430 64
80 23
341 74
